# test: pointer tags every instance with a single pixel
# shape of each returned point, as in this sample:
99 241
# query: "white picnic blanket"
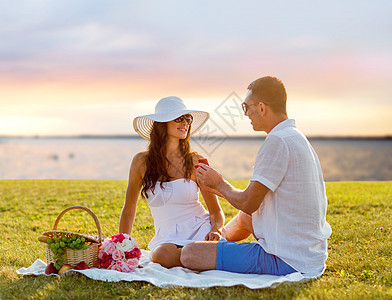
161 277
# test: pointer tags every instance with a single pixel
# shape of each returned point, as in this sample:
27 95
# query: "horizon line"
236 137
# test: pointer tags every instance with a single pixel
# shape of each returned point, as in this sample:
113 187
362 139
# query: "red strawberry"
82 266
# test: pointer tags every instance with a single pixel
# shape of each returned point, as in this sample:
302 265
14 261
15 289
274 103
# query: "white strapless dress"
179 217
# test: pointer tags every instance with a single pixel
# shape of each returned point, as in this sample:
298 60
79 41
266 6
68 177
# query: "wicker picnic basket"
74 256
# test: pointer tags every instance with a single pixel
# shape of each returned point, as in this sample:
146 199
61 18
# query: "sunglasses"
187 118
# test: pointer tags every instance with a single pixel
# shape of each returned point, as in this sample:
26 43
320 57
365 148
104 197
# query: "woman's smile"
183 129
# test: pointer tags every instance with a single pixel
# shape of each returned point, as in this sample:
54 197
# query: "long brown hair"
156 161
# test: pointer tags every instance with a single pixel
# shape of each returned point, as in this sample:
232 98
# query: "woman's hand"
213 235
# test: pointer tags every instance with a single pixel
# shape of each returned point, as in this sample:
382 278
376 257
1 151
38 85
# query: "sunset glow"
71 68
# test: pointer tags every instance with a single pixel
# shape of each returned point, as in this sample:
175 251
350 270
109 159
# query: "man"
284 205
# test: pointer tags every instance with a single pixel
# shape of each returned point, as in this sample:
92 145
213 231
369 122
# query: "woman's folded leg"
167 255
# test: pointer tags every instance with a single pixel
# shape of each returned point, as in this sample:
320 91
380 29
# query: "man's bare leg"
199 256
239 228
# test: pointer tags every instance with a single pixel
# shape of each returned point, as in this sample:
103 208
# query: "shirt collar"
284 124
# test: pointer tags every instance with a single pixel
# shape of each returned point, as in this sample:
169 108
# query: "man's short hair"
269 90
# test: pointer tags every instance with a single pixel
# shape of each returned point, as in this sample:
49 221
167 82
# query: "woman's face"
179 127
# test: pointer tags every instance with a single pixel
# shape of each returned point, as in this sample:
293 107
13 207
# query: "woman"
166 176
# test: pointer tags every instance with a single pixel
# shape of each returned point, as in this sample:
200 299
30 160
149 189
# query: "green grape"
58 245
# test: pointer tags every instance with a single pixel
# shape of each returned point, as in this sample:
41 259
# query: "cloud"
120 51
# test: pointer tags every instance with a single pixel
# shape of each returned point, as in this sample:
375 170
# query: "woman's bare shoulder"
141 155
139 160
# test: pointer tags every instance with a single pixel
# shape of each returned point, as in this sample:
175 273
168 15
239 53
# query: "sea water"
110 158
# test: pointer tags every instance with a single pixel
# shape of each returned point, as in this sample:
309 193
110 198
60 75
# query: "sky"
90 67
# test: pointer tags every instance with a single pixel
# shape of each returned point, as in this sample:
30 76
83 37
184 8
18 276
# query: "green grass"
360 248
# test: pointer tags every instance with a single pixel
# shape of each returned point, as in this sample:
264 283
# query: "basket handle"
82 208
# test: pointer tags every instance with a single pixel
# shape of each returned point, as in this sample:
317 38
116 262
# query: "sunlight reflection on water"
93 158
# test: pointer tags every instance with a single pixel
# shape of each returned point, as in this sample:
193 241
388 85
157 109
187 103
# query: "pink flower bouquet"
120 253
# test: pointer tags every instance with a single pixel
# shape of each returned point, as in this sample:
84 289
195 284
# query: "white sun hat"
169 109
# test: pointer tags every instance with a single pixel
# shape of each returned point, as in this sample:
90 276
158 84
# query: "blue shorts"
249 258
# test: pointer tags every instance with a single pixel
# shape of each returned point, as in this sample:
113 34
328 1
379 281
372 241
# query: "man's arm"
247 200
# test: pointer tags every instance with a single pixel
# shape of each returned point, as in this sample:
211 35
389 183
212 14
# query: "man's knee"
245 221
239 228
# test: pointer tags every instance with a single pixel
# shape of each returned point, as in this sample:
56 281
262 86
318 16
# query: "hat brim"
143 124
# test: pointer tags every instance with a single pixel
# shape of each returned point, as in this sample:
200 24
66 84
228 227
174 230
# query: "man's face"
252 111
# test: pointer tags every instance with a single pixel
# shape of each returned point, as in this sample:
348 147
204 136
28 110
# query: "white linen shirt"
291 221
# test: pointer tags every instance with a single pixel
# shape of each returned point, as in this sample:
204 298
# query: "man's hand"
208 178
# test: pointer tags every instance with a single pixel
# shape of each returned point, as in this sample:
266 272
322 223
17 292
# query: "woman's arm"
132 195
217 218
